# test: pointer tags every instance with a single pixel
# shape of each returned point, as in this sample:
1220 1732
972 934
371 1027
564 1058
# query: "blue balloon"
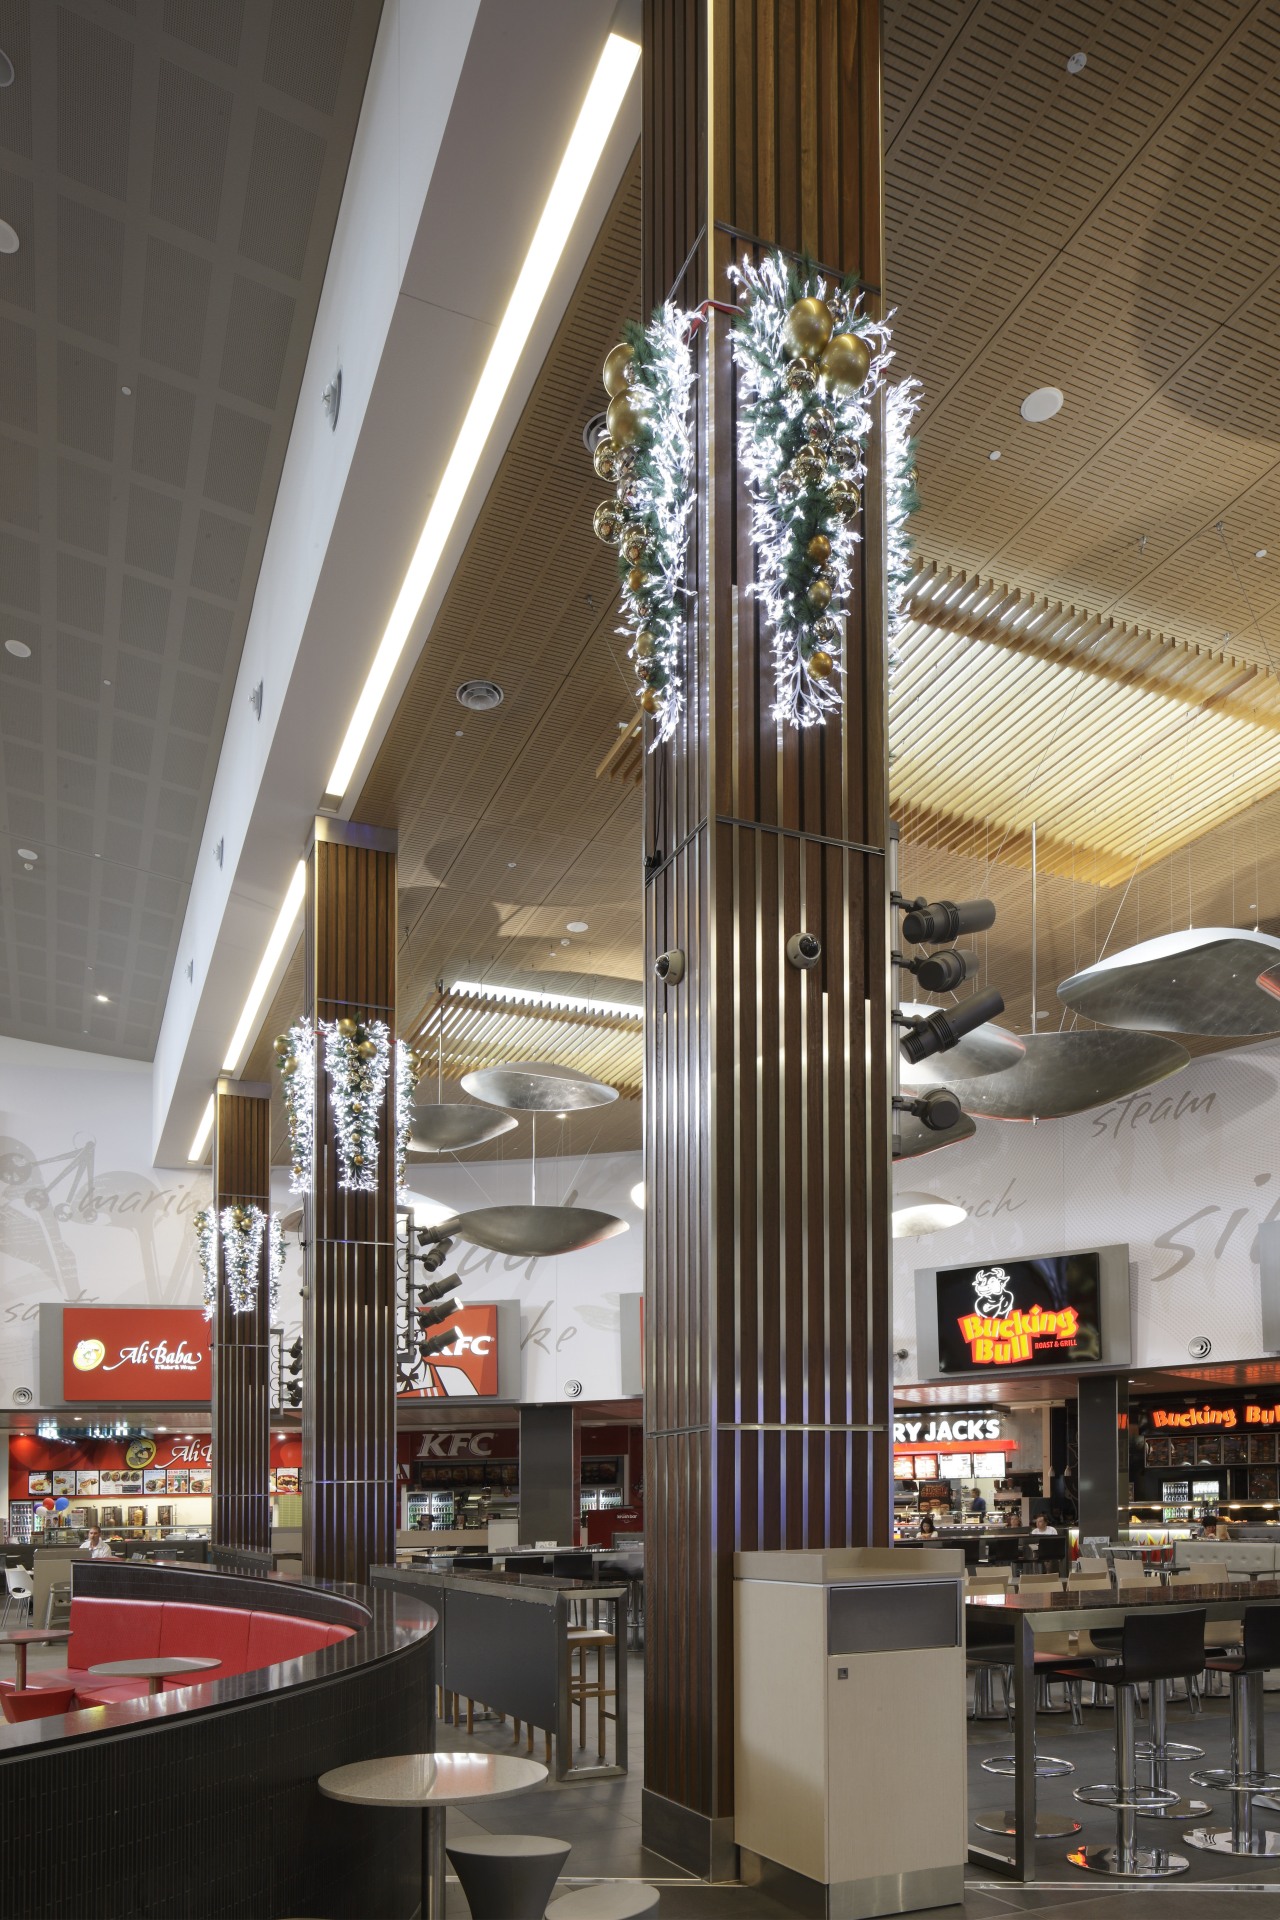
61 1504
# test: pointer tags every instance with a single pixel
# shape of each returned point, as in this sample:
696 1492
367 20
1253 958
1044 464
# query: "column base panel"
915 1891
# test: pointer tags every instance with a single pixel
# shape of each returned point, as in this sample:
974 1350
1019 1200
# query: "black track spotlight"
438 1289
943 972
434 1260
930 923
432 1316
946 1028
436 1344
939 1109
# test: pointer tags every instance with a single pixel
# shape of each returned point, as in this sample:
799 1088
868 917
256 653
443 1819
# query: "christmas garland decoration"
207 1246
809 362
242 1231
405 1083
647 451
902 402
357 1059
275 1267
296 1058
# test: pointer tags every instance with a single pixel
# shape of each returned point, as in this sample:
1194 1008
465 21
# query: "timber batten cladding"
766 1109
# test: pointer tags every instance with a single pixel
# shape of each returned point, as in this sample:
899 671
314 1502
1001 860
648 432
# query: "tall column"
1102 1446
241 1437
348 1329
550 1476
767 1151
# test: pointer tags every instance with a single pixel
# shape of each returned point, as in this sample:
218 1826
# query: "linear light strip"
586 143
285 920
526 996
203 1131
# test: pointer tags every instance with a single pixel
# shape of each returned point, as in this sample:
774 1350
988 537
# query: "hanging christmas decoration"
809 362
242 1230
275 1267
647 452
901 404
296 1058
207 1246
406 1083
357 1059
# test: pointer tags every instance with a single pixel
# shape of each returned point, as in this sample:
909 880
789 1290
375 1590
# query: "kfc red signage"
468 1367
124 1355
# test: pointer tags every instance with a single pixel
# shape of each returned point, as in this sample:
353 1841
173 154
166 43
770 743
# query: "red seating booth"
238 1638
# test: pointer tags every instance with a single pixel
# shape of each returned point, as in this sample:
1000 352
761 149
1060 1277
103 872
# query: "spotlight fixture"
432 1316
946 1028
930 923
292 1384
438 1289
433 1261
938 1109
943 972
437 1344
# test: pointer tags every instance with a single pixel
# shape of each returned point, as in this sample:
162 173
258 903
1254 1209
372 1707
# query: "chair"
1087 1565
1155 1645
1130 1573
37 1703
508 1876
1247 1775
59 1601
1041 1582
20 1591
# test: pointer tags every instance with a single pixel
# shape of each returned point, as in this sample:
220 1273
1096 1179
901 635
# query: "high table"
989 1619
20 1638
155 1669
432 1781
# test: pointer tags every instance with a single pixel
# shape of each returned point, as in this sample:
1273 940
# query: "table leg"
20 1664
1024 1749
432 1863
155 1683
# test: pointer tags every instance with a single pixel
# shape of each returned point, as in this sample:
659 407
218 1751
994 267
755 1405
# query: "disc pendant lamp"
450 1126
1204 980
1064 1073
537 1086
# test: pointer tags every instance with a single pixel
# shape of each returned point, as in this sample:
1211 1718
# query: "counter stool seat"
508 1876
1247 1776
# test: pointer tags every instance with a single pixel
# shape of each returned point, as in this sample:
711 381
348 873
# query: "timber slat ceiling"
1119 744
483 1029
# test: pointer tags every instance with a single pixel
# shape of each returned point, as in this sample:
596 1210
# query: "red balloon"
48 1501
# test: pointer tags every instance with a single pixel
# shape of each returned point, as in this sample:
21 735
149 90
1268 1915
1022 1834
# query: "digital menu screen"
988 1466
956 1466
903 1467
926 1466
1019 1313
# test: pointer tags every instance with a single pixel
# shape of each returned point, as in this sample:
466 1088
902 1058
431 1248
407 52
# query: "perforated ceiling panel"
173 173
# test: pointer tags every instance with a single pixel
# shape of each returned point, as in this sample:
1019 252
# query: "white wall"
569 1309
1183 1172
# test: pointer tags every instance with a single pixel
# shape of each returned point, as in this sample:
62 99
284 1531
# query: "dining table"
20 1638
1010 1622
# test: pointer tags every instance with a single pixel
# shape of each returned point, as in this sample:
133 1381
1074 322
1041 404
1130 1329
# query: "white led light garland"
405 1083
275 1268
207 1245
901 404
357 1059
296 1059
242 1230
809 363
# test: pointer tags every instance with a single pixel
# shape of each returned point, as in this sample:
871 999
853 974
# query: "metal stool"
59 1598
508 1876
1247 1776
1153 1646
1047 1766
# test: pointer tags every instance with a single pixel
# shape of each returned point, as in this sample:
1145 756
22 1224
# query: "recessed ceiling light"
564 943
102 999
18 648
127 392
1259 553
6 69
28 866
576 926
25 853
1077 62
994 454
457 733
511 863
9 241
1042 404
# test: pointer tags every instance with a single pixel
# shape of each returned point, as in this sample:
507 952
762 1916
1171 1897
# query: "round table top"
431 1779
32 1636
157 1667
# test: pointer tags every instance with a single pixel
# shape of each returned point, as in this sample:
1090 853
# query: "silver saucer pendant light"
1065 1073
919 1213
450 1126
1203 980
537 1086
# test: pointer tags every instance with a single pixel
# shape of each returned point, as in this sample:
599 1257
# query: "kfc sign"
124 1355
467 1368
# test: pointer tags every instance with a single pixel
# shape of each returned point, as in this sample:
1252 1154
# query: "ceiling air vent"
480 696
22 1396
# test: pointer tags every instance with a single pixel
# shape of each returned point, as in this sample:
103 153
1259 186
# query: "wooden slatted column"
241 1449
348 1403
767 1168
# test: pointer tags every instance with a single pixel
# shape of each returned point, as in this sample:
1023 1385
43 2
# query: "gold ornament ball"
649 700
635 545
844 497
819 595
281 1043
644 669
798 378
846 362
819 550
368 1048
617 370
347 1027
826 633
637 579
820 664
605 458
646 646
607 521
624 420
289 1065
807 329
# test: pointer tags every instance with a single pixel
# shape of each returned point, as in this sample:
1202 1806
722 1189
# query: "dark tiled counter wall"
212 1812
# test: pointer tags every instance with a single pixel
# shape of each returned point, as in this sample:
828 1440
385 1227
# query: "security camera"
804 950
946 1028
669 966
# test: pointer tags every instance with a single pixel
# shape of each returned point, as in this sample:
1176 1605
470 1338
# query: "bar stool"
1153 1646
583 1641
1247 1776
508 1876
